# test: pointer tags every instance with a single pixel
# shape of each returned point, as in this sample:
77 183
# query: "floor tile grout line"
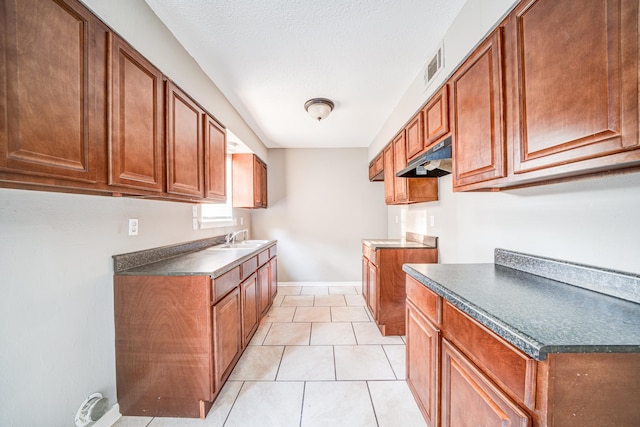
373 406
233 404
395 374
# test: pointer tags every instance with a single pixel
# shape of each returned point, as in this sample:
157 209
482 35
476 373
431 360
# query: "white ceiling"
270 56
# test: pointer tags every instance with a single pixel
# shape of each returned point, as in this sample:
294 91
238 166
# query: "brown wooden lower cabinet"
227 336
383 283
264 301
179 337
462 374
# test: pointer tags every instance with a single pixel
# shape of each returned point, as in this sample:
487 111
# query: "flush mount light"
319 108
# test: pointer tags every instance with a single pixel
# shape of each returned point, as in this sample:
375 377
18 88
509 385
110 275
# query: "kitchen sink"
243 244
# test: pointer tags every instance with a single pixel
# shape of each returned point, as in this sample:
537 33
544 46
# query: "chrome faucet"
231 237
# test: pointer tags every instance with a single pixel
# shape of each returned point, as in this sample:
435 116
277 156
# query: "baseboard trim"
109 418
319 284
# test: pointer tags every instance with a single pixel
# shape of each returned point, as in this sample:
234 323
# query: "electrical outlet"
195 223
133 226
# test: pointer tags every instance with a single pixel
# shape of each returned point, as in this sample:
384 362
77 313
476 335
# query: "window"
219 214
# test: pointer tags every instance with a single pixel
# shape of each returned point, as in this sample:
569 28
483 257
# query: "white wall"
591 221
321 205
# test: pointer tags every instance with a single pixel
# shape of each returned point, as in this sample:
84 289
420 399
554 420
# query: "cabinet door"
400 162
215 155
365 278
257 183
423 367
373 293
415 136
137 120
185 147
264 291
227 336
575 90
470 398
249 290
261 186
478 118
389 176
53 91
273 276
436 117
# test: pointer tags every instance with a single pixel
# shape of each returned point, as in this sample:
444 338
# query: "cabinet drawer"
220 286
426 300
273 251
506 365
249 267
263 257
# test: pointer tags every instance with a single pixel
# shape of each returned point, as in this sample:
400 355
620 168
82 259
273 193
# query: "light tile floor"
316 360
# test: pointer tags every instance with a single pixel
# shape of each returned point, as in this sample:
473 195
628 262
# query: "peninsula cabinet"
137 120
249 181
478 115
463 374
383 282
53 94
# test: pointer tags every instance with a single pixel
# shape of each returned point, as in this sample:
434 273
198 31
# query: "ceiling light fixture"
319 108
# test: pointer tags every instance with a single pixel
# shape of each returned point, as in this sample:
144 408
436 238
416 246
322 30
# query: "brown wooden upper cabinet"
185 147
249 181
574 85
399 163
415 136
53 73
376 168
215 155
137 120
478 115
436 117
389 175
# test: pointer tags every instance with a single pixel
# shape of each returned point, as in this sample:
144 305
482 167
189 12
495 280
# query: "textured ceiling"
269 56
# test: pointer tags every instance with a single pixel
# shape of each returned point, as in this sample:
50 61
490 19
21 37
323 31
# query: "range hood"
432 163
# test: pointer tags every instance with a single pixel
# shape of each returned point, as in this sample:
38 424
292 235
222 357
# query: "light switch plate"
194 210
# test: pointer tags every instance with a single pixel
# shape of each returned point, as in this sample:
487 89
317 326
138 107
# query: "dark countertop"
204 262
538 315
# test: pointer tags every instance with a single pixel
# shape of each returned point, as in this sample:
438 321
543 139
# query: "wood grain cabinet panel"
575 81
478 115
215 155
137 120
249 289
185 148
53 92
415 136
399 163
389 175
227 336
273 276
423 363
263 289
469 398
249 181
436 117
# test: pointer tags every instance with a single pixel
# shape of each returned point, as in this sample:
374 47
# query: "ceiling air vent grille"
434 65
